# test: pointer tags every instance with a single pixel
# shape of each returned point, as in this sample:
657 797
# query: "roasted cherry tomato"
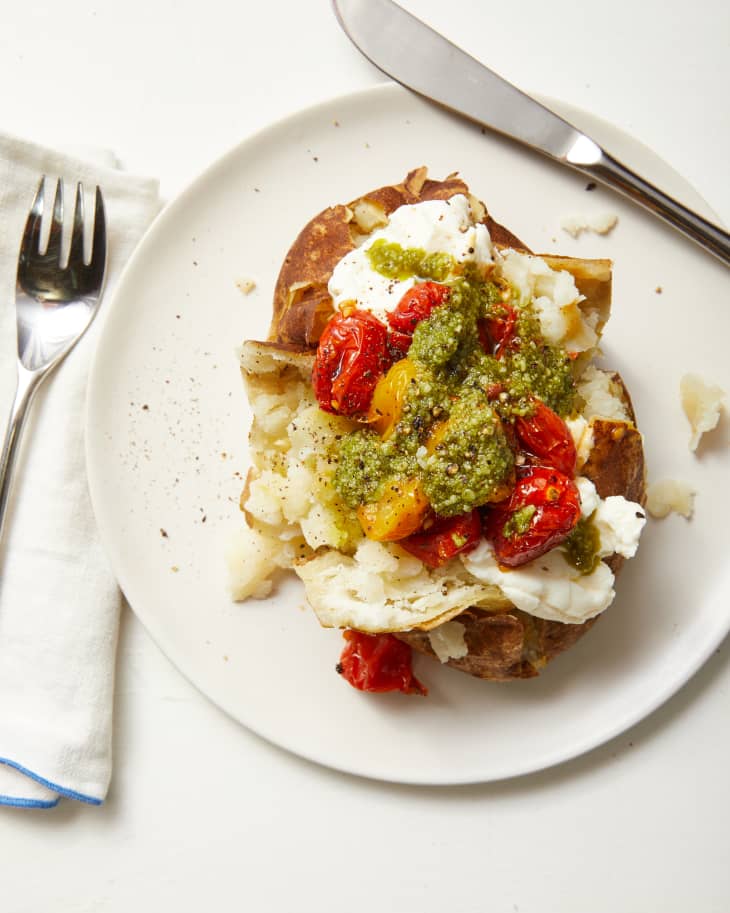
416 305
378 662
448 536
351 357
541 511
546 435
497 332
399 344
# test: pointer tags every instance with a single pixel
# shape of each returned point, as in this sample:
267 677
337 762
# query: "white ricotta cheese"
549 587
436 226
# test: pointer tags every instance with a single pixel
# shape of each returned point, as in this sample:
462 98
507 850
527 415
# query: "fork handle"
27 384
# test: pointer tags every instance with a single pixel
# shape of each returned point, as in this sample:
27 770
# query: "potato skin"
503 645
302 304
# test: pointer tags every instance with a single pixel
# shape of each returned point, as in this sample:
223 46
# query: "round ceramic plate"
168 421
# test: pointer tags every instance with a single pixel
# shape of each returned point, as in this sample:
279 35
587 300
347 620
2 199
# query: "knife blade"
440 71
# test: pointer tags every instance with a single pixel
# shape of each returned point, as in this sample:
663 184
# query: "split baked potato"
295 520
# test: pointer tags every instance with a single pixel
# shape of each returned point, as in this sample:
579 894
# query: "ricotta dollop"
550 587
436 227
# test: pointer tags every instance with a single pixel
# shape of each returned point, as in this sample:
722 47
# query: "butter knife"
421 59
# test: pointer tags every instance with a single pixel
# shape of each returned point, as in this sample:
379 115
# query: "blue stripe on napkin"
28 803
37 803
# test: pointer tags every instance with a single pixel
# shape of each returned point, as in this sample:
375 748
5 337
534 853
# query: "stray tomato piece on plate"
378 663
539 514
447 537
546 435
351 357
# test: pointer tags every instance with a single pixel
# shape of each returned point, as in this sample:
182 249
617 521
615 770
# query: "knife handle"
706 234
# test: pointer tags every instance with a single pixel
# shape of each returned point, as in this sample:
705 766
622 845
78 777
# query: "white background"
201 813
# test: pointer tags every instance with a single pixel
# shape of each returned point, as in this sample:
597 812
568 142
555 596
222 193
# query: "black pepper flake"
145 408
640 516
163 533
591 185
339 668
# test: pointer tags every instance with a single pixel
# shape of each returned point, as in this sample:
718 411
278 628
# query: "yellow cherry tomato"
386 406
399 512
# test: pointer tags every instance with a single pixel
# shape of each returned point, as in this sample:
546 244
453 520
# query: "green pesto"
472 461
396 262
361 467
582 545
534 369
519 522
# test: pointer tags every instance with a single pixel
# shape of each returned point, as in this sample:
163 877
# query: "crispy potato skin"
302 304
503 645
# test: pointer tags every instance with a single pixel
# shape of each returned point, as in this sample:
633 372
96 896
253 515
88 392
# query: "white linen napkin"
59 603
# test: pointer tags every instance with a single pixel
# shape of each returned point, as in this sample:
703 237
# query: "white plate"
167 424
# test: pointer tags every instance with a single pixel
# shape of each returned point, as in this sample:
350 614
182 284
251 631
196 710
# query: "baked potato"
295 517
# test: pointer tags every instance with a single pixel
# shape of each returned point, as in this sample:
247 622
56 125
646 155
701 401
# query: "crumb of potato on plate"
601 223
670 496
246 286
702 403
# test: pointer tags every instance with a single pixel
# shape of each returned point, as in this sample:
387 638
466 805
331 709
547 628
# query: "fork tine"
76 252
32 233
98 244
53 248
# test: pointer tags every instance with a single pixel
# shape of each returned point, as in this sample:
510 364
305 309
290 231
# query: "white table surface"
204 815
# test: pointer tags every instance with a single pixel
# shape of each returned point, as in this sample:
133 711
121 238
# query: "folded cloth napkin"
59 603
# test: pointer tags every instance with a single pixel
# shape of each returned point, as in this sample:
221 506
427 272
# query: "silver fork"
54 305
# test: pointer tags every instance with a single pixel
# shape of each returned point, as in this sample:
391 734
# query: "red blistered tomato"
447 537
351 357
497 332
541 511
378 662
399 344
546 435
416 305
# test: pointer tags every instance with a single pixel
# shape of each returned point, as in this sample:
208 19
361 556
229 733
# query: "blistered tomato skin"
378 663
416 305
545 435
399 344
447 537
497 332
351 357
539 514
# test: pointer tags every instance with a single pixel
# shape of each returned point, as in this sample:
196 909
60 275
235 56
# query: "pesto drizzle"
473 460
